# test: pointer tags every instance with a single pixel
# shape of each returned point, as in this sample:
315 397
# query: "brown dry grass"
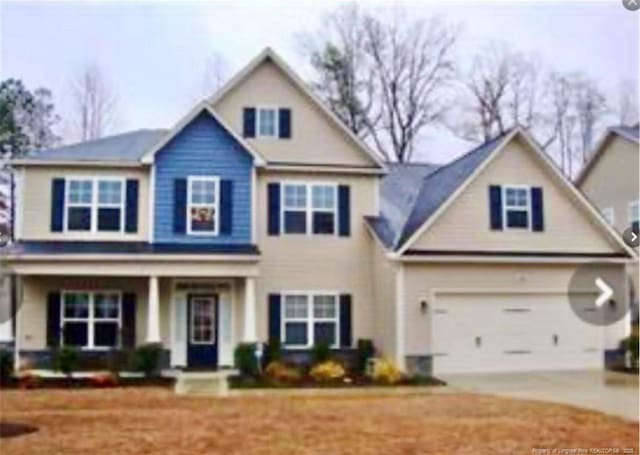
154 421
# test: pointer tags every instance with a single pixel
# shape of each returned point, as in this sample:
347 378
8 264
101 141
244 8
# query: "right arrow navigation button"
631 237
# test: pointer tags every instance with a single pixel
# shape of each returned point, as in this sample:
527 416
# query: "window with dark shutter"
249 122
495 207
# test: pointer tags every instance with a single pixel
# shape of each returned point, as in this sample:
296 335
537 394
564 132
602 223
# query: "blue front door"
202 344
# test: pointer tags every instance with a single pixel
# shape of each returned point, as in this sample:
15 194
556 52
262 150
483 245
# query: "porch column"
153 312
249 327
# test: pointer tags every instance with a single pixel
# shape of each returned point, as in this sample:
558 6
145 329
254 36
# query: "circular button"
596 294
631 5
631 237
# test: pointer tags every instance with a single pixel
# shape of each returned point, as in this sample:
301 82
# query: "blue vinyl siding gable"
203 148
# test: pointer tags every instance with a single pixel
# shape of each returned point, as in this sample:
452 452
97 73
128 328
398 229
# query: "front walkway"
604 391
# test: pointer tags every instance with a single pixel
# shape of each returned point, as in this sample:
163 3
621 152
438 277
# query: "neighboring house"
259 216
611 182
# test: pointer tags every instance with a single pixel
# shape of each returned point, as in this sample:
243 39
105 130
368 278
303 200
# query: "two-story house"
611 181
260 216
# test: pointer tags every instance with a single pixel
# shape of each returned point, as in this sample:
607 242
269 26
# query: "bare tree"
95 103
383 75
628 102
500 89
215 74
590 107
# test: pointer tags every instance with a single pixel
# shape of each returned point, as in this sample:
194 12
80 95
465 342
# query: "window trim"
276 122
91 319
308 209
95 204
214 331
528 208
609 214
310 320
206 178
630 207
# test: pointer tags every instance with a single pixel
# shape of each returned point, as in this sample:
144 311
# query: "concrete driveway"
604 391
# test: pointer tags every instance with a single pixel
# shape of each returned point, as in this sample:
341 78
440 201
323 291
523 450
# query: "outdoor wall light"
424 306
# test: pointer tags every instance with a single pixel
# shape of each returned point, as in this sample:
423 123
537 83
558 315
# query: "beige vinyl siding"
318 262
32 322
464 224
36 202
613 180
314 139
425 281
384 310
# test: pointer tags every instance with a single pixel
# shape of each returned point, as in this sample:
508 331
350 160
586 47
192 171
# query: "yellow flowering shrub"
328 371
385 372
278 371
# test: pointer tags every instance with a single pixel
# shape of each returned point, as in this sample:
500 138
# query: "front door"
202 341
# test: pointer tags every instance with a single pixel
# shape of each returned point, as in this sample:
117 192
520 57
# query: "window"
609 215
309 208
634 215
517 207
267 122
95 204
309 319
91 320
203 205
203 320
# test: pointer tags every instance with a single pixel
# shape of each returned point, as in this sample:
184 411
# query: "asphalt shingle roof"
129 146
411 194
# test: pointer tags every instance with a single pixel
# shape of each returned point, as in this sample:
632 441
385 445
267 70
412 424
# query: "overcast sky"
156 54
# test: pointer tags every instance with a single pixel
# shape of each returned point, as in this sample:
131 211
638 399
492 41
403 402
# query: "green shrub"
6 366
320 352
245 359
148 359
272 352
66 360
630 344
365 351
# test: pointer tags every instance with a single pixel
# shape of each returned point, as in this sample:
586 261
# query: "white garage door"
512 332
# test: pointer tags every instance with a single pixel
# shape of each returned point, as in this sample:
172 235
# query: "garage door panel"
473 333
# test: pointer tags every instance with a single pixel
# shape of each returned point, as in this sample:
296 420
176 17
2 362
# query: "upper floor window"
267 122
203 205
309 208
95 204
517 207
91 319
634 215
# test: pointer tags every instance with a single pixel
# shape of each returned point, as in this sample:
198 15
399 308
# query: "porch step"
209 383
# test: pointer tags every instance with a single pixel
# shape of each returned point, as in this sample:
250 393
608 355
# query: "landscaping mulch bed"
150 420
83 383
244 382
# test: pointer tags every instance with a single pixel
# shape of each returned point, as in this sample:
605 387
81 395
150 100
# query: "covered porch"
196 309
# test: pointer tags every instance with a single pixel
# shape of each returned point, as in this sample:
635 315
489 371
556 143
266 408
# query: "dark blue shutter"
131 210
284 123
273 203
128 320
495 207
344 211
249 122
53 319
537 209
274 317
226 206
345 321
57 205
180 206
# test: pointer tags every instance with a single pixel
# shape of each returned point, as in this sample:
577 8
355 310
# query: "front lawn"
154 420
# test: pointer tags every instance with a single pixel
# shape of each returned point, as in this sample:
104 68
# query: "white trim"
68 163
216 205
309 210
505 209
276 121
148 157
254 205
323 168
269 53
400 305
506 259
95 203
598 150
133 257
310 320
214 329
90 320
609 214
564 183
18 203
